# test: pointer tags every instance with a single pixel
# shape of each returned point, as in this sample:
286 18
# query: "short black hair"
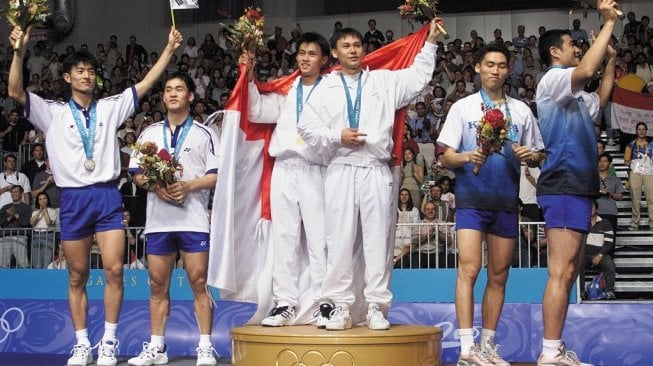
190 84
607 156
492 47
342 33
20 188
312 37
76 58
550 38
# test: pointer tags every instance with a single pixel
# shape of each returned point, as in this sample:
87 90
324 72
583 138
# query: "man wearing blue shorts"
486 204
568 180
84 156
177 218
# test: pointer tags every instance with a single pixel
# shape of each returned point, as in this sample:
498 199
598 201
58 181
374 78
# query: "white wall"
149 21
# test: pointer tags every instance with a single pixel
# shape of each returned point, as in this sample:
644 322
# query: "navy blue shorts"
87 210
169 242
500 223
566 211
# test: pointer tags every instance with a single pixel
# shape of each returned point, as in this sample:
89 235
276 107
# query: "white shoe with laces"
205 356
375 319
106 354
81 355
150 355
491 350
339 319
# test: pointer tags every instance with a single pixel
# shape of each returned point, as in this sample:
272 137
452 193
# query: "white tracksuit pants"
296 198
356 196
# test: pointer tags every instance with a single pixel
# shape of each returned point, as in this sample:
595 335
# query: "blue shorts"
169 242
500 223
87 210
566 211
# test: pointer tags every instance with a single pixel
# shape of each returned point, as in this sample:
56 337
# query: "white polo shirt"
64 143
198 158
7 179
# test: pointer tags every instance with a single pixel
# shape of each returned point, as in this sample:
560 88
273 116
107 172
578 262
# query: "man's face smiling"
568 54
310 59
349 53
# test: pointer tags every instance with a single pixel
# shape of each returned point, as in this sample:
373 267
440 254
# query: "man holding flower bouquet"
177 213
84 155
297 191
487 135
568 181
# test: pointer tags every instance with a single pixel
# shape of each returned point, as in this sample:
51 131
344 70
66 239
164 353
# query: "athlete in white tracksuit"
297 188
358 179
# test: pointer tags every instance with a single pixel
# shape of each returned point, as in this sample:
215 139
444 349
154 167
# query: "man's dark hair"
342 33
550 38
312 37
492 47
76 58
20 188
10 156
190 84
607 156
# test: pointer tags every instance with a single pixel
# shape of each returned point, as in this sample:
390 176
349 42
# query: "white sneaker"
322 315
205 356
81 355
279 317
106 353
339 319
491 350
150 355
375 319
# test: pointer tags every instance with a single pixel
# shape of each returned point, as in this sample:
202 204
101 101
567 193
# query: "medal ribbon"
177 138
353 111
300 95
87 134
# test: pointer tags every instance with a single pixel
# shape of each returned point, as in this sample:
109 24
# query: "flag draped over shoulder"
240 263
630 108
184 4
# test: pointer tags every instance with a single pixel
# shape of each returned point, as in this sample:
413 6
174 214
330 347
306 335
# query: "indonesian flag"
240 262
184 4
630 108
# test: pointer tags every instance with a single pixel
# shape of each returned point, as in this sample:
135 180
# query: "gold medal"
299 141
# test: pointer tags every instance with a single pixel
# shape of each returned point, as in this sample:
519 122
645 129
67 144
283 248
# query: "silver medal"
89 164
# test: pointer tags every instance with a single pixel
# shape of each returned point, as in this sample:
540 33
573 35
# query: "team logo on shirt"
203 243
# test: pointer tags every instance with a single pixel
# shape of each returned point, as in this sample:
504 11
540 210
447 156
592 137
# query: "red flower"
495 118
165 155
253 13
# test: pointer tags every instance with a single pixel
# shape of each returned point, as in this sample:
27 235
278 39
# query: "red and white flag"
240 263
630 108
184 4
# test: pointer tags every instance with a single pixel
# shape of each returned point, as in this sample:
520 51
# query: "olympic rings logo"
6 326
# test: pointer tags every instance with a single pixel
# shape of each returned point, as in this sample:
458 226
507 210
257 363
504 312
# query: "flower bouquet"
421 11
160 168
491 132
248 32
24 13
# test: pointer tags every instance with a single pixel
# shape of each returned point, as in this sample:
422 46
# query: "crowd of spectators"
428 185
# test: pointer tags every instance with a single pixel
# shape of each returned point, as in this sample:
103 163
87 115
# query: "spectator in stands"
439 170
578 35
135 240
447 185
134 200
191 48
373 36
643 69
631 27
611 190
11 177
412 173
209 48
407 214
59 261
44 220
37 164
599 251
423 126
433 194
14 219
528 192
14 132
487 202
44 183
520 41
568 176
639 159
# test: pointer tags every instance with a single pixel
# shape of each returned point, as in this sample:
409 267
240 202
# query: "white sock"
82 337
550 347
109 331
205 340
487 335
466 340
158 341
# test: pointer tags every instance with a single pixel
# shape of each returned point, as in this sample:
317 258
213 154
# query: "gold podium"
401 345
